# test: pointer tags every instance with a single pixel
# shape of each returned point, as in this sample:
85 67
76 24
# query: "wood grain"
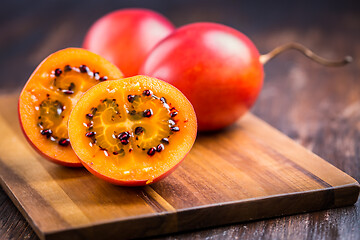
249 171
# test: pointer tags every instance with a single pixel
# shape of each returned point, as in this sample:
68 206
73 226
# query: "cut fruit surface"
51 92
132 131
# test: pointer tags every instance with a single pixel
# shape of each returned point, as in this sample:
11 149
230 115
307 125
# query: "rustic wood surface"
246 172
316 106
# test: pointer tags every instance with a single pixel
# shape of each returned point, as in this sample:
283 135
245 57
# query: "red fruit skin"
125 37
215 66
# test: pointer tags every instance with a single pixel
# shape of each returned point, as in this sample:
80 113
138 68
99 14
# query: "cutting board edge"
336 189
80 232
291 141
21 208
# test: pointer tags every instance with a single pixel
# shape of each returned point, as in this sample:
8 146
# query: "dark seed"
67 68
171 122
131 98
139 130
90 134
115 153
159 148
130 150
163 100
132 112
173 114
151 151
147 93
47 95
72 86
68 92
89 116
46 132
124 136
64 142
165 140
84 69
96 75
148 113
103 78
175 129
124 141
58 72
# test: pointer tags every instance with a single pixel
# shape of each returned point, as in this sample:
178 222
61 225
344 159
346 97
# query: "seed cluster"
51 111
136 136
81 69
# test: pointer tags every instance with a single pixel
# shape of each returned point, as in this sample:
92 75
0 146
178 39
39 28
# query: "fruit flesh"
125 145
215 66
50 94
130 116
126 36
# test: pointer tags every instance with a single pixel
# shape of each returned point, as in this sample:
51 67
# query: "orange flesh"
50 94
95 139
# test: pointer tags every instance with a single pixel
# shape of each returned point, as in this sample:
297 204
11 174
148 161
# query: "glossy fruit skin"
215 66
35 91
125 37
145 169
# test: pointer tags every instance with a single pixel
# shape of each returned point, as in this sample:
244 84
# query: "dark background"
31 30
316 106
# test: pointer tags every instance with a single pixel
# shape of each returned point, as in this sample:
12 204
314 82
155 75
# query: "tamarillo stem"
307 52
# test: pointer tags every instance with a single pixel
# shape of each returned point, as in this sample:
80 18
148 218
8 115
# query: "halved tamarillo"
51 92
132 131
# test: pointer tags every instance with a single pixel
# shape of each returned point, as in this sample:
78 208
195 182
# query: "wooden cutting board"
250 171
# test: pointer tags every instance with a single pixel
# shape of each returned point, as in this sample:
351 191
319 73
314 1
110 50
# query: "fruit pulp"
132 131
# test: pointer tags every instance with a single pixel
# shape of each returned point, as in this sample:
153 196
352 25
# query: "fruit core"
143 123
62 91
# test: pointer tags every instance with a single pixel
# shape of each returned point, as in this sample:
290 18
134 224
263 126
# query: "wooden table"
316 106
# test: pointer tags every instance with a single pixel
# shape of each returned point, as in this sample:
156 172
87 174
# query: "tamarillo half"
51 92
132 131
